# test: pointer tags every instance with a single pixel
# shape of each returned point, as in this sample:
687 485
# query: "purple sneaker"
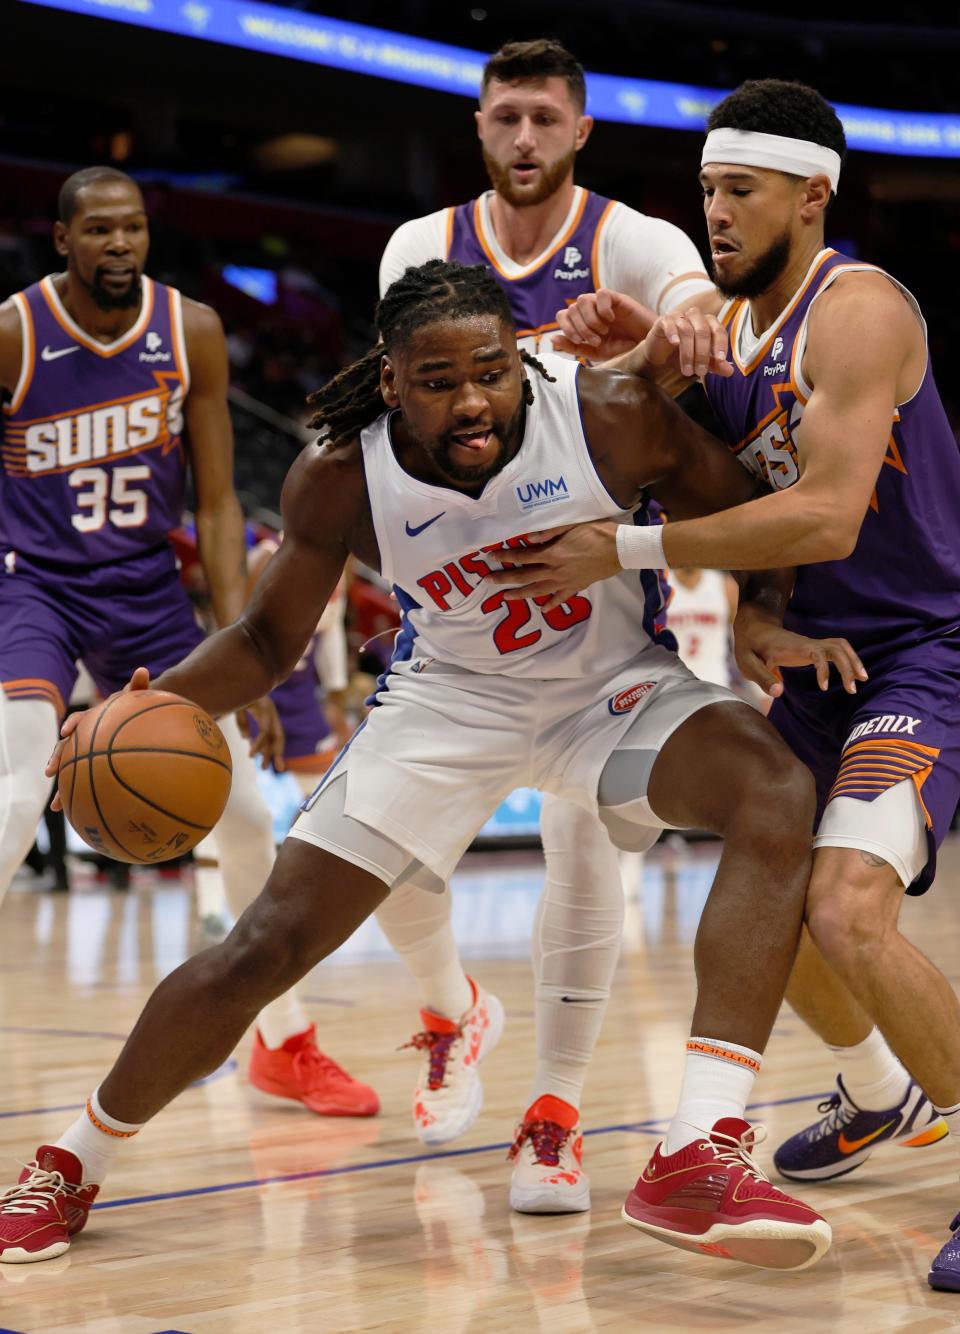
846 1135
945 1271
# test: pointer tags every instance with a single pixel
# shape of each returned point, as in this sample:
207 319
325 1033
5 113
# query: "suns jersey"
92 454
901 584
437 544
600 243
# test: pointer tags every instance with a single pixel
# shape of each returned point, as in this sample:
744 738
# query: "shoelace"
312 1062
736 1152
33 1195
835 1115
438 1045
547 1138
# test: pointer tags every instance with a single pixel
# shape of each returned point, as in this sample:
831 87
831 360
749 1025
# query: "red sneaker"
711 1197
301 1071
48 1207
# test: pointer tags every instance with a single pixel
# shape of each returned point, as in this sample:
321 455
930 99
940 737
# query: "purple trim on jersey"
92 457
901 584
566 273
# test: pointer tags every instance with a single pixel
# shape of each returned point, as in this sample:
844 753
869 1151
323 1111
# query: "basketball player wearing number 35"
113 383
441 429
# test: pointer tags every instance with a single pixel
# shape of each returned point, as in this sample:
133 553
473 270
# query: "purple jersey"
298 705
537 293
92 452
901 584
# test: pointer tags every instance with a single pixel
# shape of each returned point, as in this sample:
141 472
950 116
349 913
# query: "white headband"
748 148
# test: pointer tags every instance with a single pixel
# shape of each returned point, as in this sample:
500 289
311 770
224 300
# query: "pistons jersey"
437 545
92 453
539 291
901 584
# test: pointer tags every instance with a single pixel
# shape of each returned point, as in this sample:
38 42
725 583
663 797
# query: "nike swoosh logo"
412 532
573 1000
850 1146
48 354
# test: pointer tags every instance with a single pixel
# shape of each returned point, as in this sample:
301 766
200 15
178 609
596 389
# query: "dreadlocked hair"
438 290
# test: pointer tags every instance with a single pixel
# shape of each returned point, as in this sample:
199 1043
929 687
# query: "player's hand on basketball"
560 562
269 742
762 647
603 324
139 681
688 341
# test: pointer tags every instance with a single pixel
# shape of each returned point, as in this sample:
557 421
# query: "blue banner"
454 69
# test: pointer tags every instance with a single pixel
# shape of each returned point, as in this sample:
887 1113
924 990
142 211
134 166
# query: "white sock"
952 1117
872 1075
95 1138
576 945
417 924
208 887
283 1018
718 1079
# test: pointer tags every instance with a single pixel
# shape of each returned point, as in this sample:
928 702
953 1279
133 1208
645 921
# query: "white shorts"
444 746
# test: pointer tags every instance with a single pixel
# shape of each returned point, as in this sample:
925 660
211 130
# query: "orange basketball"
145 776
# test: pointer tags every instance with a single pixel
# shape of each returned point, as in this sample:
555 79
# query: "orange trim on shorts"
108 1130
318 763
34 687
723 1054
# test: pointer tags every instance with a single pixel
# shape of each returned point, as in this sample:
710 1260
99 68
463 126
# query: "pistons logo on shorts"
628 699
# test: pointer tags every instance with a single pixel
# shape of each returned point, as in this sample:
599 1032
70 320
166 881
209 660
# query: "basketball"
145 776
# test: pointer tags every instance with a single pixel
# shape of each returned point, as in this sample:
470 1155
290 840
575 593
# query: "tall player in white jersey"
430 445
547 241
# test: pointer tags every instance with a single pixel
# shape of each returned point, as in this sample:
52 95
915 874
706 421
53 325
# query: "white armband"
640 548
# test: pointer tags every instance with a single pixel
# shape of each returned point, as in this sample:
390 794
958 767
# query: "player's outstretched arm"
11 347
323 499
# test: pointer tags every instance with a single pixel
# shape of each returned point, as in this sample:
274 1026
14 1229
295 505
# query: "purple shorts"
131 613
902 723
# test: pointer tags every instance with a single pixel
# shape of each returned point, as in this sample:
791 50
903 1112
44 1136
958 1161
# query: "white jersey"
700 619
437 544
647 258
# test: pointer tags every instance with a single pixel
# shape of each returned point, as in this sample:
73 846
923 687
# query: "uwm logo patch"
628 699
548 491
104 431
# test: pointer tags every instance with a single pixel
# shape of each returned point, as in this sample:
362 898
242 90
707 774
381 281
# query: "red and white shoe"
449 1094
299 1070
711 1197
45 1209
547 1156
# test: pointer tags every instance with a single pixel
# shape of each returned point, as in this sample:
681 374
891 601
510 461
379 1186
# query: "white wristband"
640 548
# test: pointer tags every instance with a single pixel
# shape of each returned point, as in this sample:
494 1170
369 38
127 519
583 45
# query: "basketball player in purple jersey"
547 241
113 384
832 401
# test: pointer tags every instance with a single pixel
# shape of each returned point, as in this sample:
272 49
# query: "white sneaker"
547 1155
449 1095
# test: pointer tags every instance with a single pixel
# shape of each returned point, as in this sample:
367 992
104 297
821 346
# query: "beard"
761 275
105 299
507 435
552 177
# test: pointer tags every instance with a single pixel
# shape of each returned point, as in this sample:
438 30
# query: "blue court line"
256 1183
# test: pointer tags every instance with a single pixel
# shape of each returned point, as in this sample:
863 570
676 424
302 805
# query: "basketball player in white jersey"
547 241
703 604
430 446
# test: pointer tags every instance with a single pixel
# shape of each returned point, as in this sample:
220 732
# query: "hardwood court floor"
233 1217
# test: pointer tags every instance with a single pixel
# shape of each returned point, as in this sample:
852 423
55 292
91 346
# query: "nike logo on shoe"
412 532
851 1146
48 353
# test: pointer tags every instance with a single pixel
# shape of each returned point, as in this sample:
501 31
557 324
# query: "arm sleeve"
413 243
645 257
